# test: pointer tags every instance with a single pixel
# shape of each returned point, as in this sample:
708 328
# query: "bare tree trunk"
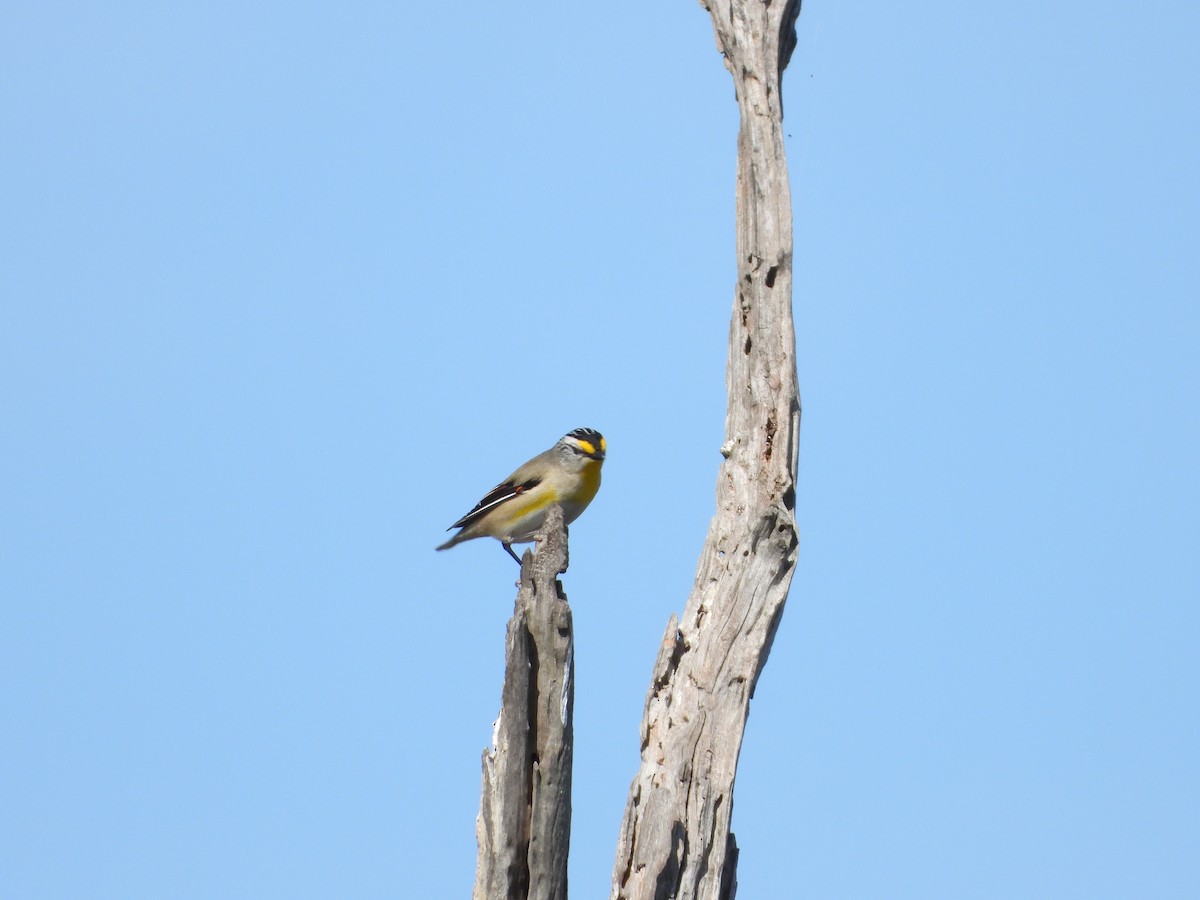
675 840
524 824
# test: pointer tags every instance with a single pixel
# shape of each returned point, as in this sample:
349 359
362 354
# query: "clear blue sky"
285 287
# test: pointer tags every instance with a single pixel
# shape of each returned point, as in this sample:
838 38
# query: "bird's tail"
450 543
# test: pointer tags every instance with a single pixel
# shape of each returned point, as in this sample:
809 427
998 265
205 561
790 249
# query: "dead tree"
524 824
675 839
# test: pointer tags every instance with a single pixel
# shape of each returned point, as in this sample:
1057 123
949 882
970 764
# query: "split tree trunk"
675 840
524 824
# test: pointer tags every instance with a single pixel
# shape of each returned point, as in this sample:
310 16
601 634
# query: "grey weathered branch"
524 824
675 839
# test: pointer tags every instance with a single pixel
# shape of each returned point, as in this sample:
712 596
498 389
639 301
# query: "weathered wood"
524 824
675 840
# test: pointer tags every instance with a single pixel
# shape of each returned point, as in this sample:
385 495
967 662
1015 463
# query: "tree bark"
524 824
675 839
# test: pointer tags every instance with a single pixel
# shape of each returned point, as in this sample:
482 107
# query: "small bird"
567 474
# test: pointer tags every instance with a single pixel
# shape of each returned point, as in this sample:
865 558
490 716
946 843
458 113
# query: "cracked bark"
675 840
524 824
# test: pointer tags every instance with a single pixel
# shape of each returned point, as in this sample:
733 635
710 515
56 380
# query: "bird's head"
583 443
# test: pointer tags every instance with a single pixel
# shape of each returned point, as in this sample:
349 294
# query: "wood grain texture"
524 824
675 839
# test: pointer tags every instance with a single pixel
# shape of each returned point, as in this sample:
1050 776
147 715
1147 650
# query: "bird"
512 512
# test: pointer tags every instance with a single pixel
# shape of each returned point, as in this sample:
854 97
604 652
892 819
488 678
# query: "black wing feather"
497 495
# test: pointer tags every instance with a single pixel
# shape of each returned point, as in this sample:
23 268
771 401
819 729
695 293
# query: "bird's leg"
508 547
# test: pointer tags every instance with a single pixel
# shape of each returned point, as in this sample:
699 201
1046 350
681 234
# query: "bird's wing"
501 493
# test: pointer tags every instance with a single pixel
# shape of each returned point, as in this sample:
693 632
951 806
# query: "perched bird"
567 474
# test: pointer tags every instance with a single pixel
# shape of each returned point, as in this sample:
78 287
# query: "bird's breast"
586 488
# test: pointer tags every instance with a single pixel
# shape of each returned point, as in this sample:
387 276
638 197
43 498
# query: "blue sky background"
285 287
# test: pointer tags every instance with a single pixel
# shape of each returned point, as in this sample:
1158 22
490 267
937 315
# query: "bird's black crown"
591 435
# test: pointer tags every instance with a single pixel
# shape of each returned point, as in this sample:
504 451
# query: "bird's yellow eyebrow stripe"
588 448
